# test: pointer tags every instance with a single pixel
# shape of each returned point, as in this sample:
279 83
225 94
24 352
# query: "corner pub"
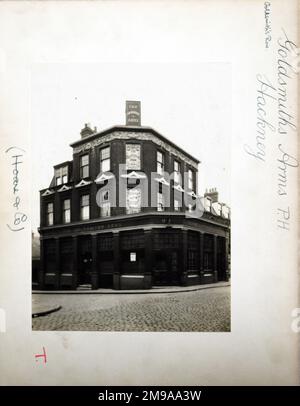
89 240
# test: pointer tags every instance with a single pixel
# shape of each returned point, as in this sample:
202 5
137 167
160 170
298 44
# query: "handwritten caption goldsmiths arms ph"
276 95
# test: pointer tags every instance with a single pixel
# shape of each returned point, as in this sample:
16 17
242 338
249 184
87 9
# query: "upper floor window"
190 207
84 166
105 204
85 207
133 156
176 205
177 177
61 175
50 214
160 201
134 200
160 162
105 159
190 179
67 211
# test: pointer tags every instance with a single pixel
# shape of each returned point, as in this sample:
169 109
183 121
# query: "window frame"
160 196
82 167
49 223
83 206
105 203
160 165
191 179
177 207
65 210
177 173
102 160
61 175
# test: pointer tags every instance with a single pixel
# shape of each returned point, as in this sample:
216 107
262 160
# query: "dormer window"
61 175
105 159
84 166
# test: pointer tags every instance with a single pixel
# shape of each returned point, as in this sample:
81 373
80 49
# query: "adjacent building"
121 214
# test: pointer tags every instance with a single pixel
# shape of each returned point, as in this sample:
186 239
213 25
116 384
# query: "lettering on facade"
133 156
133 113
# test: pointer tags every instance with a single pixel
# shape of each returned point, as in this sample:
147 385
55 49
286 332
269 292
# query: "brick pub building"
89 239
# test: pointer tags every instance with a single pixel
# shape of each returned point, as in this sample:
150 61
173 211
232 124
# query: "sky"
189 103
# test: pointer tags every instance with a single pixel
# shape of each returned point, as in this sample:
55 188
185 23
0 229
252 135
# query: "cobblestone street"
201 310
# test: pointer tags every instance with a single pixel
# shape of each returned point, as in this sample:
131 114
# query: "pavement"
155 289
203 308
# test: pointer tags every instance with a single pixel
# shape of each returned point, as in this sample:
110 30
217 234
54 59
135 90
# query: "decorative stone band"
142 136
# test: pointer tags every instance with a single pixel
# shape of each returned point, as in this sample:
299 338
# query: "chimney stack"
212 194
86 131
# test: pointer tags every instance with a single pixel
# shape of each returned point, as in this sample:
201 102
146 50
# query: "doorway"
166 269
84 277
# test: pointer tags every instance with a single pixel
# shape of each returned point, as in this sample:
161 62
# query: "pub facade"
125 213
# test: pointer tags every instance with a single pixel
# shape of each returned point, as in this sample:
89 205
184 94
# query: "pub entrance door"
174 268
221 259
84 277
85 260
166 271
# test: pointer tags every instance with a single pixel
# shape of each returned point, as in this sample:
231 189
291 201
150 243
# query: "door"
85 269
160 271
166 270
174 271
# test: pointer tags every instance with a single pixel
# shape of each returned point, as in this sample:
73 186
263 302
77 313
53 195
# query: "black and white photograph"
133 226
149 199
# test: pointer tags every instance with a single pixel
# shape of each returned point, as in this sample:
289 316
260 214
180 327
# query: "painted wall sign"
133 156
133 113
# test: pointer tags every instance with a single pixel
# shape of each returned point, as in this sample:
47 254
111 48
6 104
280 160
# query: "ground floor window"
192 260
